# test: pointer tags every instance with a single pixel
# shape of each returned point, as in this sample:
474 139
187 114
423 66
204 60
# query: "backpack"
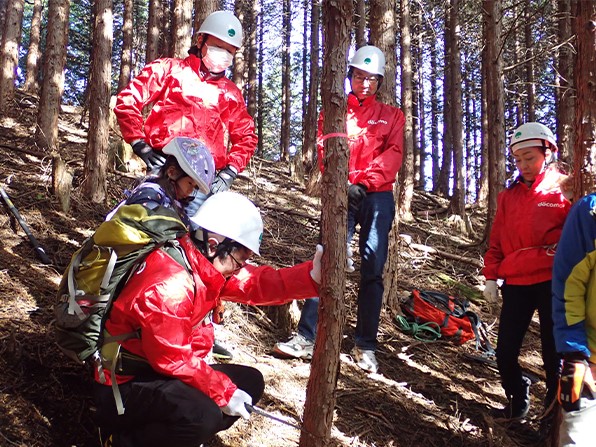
100 268
449 315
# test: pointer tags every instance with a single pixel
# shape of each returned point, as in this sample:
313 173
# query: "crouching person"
158 332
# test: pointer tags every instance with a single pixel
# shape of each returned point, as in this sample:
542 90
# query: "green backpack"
100 268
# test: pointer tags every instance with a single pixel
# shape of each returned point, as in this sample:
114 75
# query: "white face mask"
217 59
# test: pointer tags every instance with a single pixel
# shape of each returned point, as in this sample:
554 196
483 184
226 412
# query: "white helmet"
225 26
370 59
533 135
195 159
232 215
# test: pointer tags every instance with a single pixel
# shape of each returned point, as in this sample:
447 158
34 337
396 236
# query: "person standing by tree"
574 315
523 241
192 97
375 139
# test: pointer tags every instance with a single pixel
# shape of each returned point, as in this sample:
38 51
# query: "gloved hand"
315 273
356 194
349 261
576 381
224 179
235 406
491 291
152 158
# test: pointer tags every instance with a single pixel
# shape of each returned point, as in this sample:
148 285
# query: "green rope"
427 332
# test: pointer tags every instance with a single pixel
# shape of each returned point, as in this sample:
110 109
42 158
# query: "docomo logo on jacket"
373 122
552 205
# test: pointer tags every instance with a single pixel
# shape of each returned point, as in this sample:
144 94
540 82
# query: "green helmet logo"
367 61
231 32
517 135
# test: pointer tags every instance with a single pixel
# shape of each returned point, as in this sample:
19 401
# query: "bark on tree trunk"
320 392
181 27
31 85
96 158
46 135
585 79
153 30
9 59
126 54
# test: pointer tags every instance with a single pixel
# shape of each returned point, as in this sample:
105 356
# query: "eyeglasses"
239 264
360 79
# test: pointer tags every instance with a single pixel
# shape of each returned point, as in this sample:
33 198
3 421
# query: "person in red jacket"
192 97
159 333
375 140
523 241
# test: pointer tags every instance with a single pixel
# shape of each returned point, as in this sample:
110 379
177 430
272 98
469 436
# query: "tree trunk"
585 79
495 106
458 201
54 58
31 85
320 392
406 173
260 92
96 158
564 81
448 115
383 35
286 60
434 111
309 144
202 9
243 11
9 59
153 30
126 54
253 63
181 27
360 23
529 64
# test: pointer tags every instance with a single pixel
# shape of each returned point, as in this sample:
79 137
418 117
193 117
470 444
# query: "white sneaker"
365 359
297 347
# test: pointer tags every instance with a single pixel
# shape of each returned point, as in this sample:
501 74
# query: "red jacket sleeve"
494 255
267 286
142 90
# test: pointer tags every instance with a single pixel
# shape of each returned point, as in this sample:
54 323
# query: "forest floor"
426 394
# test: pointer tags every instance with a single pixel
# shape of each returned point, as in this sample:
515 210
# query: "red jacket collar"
353 101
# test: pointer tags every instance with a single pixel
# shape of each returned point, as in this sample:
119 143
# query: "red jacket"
375 138
170 307
186 104
526 229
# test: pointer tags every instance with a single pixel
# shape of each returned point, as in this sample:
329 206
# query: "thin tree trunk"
243 11
320 392
286 59
448 111
126 54
585 79
202 9
360 23
33 54
54 59
153 30
495 106
564 81
253 63
529 65
96 159
9 59
181 27
309 153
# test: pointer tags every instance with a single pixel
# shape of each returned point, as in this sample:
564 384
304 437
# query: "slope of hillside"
426 393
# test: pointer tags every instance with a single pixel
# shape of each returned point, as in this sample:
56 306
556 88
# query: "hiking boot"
518 405
296 347
365 359
220 352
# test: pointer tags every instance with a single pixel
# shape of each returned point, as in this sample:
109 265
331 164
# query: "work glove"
356 194
491 291
349 260
315 273
152 158
236 407
576 381
224 179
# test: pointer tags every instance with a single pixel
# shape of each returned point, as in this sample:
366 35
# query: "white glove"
349 261
236 406
491 291
315 273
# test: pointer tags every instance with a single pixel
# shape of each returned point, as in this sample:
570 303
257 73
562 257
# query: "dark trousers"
161 411
519 304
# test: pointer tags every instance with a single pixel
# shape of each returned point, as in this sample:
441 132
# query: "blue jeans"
375 217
